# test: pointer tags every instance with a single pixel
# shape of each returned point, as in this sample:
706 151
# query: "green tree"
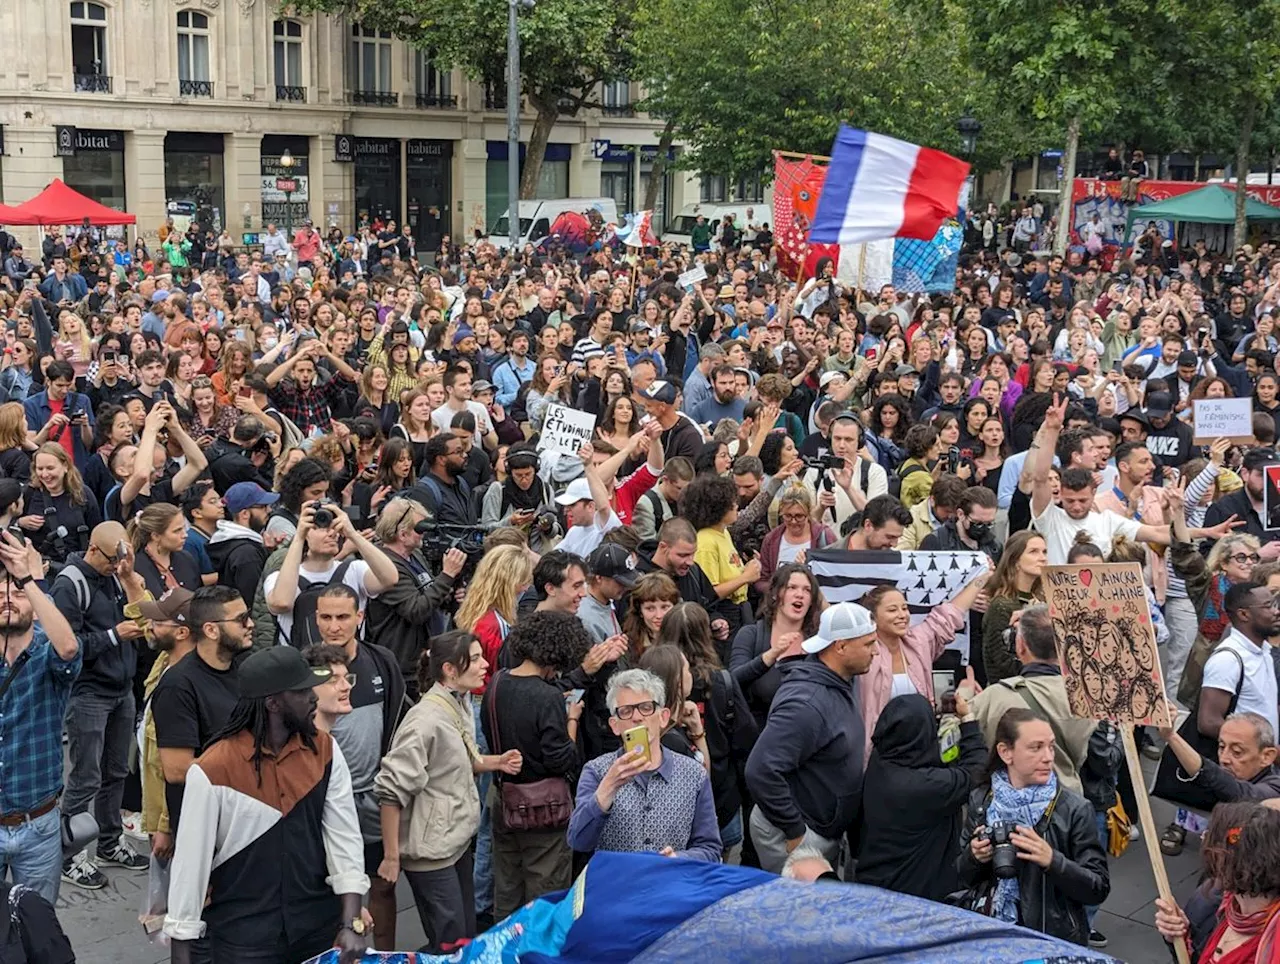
567 49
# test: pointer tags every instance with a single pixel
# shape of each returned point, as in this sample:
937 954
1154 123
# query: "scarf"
1262 925
514 497
1214 619
1023 807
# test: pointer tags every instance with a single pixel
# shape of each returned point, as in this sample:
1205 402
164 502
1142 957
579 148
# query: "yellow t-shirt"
719 559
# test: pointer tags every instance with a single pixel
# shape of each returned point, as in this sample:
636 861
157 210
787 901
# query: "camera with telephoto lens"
439 537
326 511
1004 856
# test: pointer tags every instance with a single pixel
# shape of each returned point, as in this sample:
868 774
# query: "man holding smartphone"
61 415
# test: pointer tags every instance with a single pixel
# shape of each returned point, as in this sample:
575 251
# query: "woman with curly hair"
655 595
710 503
525 710
789 615
889 419
713 459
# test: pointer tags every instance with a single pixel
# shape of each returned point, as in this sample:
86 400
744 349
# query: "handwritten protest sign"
1216 418
565 429
693 276
1271 497
1106 642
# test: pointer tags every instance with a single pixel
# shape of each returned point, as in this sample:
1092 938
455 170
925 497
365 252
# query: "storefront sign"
423 148
90 141
375 147
606 150
276 181
286 185
64 140
344 148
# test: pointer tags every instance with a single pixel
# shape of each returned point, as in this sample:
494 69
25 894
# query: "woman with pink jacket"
905 654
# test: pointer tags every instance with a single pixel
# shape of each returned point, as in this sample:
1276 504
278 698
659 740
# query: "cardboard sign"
1215 418
693 276
1106 642
566 429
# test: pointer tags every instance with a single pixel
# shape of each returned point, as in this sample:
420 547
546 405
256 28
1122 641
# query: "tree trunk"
652 189
537 149
1242 170
1068 175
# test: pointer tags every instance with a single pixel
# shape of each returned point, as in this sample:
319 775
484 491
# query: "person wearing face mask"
971 528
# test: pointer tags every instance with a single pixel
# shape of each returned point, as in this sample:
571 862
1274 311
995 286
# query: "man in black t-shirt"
193 700
677 545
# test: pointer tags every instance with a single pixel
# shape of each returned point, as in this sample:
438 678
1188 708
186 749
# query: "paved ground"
102 925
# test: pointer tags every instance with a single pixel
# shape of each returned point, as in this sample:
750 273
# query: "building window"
713 188
287 50
193 54
432 85
371 66
89 47
617 98
750 189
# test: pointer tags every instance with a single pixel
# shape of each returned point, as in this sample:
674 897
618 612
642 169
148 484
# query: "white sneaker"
131 825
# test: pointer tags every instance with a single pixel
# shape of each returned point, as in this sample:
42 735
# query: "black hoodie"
912 800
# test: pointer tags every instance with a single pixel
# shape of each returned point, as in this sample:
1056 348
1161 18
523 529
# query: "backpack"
304 631
437 490
74 576
895 480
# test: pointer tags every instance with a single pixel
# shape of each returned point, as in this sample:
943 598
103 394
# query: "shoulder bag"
535 807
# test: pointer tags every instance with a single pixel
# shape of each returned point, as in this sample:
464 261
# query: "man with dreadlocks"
269 831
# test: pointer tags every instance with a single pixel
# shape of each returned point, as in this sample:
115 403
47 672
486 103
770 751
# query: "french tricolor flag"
879 187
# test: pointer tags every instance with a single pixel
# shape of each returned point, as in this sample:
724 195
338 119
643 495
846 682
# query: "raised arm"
1040 458
197 462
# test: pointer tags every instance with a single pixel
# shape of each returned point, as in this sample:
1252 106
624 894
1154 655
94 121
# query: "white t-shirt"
443 416
787 551
583 540
354 577
1059 530
1222 672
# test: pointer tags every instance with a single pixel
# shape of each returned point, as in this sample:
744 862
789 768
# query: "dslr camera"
1004 856
326 511
824 463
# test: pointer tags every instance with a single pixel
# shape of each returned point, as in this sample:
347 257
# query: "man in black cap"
269 862
1247 503
1169 439
680 436
612 572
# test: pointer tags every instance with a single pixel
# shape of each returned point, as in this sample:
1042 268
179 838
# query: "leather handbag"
542 805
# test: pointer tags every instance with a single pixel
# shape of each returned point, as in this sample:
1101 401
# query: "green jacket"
1115 343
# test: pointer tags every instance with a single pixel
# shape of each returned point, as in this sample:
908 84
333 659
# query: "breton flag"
879 187
927 579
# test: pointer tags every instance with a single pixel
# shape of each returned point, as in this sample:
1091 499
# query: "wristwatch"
356 925
21 581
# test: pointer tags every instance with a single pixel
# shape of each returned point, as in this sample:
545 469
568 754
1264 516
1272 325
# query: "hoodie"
239 555
806 768
912 801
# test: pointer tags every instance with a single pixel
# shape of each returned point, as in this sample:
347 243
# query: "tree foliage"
568 47
738 79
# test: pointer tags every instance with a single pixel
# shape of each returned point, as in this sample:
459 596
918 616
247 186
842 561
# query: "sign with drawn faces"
1106 642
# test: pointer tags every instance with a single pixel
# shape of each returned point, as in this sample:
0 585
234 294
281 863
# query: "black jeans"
446 903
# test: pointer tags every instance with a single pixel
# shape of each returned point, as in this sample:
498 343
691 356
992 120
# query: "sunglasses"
244 619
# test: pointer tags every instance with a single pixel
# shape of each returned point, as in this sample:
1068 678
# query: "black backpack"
305 631
895 479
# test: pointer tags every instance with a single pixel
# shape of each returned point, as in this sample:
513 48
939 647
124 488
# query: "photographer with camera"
1029 851
311 563
844 478
246 457
41 662
61 415
399 617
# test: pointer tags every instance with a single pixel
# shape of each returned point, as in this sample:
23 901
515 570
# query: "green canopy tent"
1212 204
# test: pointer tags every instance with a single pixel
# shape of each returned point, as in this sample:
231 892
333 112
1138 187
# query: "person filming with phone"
621 804
59 414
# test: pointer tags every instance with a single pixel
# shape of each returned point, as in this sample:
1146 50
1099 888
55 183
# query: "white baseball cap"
579 490
841 621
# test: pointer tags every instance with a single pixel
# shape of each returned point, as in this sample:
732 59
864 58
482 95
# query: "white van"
578 220
682 225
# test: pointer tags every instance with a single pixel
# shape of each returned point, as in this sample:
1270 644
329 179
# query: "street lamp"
969 128
513 119
288 184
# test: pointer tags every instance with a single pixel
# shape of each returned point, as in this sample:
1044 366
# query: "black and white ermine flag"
927 579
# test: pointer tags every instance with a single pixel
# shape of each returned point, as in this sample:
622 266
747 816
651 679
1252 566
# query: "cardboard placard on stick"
1229 418
1106 645
1271 497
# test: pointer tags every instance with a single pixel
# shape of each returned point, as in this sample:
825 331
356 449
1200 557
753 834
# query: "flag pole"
862 265
820 158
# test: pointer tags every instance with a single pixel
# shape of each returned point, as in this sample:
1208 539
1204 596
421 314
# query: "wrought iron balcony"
291 92
195 88
447 101
93 83
375 98
495 99
618 110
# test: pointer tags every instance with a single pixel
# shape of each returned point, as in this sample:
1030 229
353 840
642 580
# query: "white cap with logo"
841 621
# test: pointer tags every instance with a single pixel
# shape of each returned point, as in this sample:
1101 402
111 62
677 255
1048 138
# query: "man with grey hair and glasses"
1246 766
644 798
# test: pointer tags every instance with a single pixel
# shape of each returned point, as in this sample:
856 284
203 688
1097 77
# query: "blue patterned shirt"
31 715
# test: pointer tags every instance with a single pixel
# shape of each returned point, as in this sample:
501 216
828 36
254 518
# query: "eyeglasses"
244 619
336 680
644 709
1243 557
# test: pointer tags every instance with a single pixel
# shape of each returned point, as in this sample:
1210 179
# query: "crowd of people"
264 513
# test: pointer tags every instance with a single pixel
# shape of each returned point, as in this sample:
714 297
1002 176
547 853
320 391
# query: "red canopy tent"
59 204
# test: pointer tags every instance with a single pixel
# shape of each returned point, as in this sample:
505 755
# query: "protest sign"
693 276
1216 418
1106 642
1271 497
565 429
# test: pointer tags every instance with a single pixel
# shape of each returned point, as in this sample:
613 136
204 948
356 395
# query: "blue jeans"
731 832
482 878
1104 838
32 853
